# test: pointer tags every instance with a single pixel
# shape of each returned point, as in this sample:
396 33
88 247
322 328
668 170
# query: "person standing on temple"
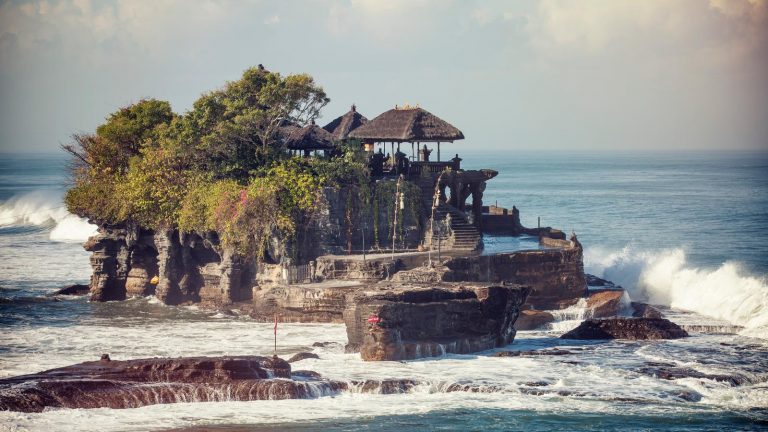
425 153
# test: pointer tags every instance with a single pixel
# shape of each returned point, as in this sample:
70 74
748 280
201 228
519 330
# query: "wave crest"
666 278
46 210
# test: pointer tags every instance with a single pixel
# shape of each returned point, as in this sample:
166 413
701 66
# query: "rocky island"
244 203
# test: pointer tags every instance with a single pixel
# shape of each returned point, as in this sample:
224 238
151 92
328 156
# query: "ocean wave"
44 209
666 278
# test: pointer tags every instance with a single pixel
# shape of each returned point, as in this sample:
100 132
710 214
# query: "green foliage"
154 188
218 167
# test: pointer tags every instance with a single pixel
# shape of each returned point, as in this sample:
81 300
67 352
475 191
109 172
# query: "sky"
588 75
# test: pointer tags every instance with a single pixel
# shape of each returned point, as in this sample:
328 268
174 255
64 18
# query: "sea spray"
45 209
666 278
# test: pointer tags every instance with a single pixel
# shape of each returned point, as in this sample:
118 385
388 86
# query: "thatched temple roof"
343 125
407 124
309 137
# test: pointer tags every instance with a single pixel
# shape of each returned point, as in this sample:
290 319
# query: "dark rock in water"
404 323
642 310
603 304
626 328
667 372
135 383
324 344
390 386
595 281
533 319
306 374
73 290
544 352
302 356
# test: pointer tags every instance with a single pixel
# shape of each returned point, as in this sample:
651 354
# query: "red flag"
374 319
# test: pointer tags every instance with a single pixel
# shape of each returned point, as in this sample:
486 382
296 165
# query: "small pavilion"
408 124
341 126
308 139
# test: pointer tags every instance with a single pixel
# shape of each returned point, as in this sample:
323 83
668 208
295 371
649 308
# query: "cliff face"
188 267
196 268
556 275
406 323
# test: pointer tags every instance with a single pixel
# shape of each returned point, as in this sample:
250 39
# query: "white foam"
666 278
43 208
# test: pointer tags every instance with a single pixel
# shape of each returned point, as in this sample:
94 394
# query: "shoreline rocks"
404 323
134 383
626 328
72 290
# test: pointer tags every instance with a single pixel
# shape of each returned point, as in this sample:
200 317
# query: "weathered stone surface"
110 256
626 328
603 304
529 353
642 310
669 371
302 356
533 319
74 290
135 383
412 322
556 275
595 281
299 303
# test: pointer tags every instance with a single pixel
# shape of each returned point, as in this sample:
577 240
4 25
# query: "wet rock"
626 328
390 386
529 353
595 281
662 371
404 323
306 374
324 344
604 304
73 290
135 383
533 319
555 275
303 356
642 310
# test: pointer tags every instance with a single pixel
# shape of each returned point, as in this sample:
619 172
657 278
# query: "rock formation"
626 328
555 275
135 383
411 322
533 319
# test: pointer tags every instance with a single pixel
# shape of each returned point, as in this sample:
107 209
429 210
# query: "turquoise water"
686 231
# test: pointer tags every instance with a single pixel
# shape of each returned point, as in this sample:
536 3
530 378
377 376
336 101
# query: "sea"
685 231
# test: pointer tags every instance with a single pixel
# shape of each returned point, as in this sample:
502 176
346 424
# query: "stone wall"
556 276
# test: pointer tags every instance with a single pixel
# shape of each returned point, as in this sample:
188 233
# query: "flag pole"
275 352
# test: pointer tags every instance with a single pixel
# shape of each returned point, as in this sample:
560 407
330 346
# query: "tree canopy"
220 166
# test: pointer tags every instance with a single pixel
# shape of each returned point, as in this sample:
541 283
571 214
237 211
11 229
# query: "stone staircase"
457 233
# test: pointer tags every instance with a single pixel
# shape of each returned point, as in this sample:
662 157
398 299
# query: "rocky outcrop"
533 319
187 268
402 323
72 290
323 303
555 275
626 328
135 383
603 304
642 310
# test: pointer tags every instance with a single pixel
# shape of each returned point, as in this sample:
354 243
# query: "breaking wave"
665 278
44 210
